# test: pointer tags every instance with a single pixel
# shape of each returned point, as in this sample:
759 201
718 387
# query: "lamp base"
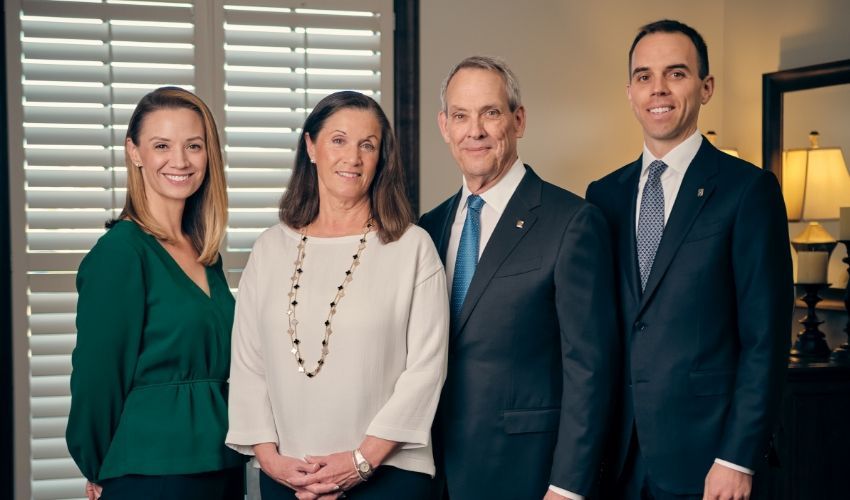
811 342
810 348
841 354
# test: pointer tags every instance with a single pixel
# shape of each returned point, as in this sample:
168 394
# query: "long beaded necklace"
295 286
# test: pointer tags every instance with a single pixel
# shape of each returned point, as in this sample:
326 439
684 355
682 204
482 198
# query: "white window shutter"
84 66
280 60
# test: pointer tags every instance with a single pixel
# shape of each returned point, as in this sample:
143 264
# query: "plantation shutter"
84 65
280 59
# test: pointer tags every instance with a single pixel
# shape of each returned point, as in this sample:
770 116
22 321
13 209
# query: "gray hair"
490 64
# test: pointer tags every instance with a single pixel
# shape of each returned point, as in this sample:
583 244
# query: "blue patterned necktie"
467 252
650 221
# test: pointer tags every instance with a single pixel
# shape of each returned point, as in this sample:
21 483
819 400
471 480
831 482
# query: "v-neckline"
185 274
173 262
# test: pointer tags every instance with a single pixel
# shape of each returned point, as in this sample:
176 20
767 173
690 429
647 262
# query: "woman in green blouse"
149 382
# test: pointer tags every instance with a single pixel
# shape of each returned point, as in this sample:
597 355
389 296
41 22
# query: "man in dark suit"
533 340
704 275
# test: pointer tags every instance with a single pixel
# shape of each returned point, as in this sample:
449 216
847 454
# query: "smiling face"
479 126
172 153
346 151
665 90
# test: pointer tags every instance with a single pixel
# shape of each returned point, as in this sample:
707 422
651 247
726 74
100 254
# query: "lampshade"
815 182
712 138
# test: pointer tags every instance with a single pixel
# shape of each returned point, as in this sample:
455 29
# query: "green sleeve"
110 317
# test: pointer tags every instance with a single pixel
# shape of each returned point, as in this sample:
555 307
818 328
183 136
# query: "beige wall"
570 57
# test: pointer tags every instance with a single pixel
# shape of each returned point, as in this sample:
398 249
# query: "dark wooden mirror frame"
774 87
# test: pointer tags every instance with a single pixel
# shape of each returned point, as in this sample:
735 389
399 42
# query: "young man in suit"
704 275
533 344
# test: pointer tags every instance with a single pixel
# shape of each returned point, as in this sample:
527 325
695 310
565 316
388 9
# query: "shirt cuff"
732 466
564 493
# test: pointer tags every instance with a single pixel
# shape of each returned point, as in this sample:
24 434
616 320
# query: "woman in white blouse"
341 329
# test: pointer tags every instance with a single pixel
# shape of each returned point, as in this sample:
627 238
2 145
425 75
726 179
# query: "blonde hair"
205 214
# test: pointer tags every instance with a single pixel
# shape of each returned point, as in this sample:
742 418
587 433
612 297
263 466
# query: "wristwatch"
362 466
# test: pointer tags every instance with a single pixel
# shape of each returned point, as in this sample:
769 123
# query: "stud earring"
312 161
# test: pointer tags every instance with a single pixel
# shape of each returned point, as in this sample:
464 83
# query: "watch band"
361 465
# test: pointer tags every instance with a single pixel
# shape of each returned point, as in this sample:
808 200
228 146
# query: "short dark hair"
388 200
671 26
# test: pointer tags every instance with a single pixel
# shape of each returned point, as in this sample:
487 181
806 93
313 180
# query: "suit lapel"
628 250
505 237
446 229
696 188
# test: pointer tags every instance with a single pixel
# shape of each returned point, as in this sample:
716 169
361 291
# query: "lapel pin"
520 223
700 192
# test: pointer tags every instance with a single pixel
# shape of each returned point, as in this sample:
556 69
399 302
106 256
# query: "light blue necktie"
467 252
650 221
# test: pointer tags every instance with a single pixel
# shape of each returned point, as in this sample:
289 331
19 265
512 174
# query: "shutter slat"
54 386
286 140
53 302
55 282
51 427
56 262
50 324
257 159
69 199
258 219
66 115
53 469
266 178
69 177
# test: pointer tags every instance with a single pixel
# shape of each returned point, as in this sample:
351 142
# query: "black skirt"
227 484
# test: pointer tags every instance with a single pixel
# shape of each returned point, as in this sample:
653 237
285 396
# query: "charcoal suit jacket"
706 343
532 354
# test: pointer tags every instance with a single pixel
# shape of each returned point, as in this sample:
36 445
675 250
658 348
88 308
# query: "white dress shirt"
677 160
495 200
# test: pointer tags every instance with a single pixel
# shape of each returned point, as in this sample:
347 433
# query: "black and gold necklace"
294 288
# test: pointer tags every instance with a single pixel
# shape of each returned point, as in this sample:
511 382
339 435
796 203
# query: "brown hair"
205 213
388 201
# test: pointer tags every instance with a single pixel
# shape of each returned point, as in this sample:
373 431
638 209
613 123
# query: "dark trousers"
635 482
227 484
388 483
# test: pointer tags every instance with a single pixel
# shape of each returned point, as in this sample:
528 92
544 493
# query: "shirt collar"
498 196
678 158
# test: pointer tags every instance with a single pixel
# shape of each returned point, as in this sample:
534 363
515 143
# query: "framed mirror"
794 103
775 86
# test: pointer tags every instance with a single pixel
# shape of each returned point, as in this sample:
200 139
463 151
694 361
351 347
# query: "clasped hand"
314 478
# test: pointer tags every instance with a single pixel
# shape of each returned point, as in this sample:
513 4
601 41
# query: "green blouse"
150 368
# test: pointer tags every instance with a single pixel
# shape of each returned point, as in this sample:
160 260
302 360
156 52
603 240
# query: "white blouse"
388 350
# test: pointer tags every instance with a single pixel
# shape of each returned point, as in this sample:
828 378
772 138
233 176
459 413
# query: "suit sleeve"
110 322
761 261
590 348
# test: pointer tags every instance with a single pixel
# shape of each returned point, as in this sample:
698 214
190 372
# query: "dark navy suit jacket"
706 343
533 352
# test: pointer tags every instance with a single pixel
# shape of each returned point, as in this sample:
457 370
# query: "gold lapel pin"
700 192
520 223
